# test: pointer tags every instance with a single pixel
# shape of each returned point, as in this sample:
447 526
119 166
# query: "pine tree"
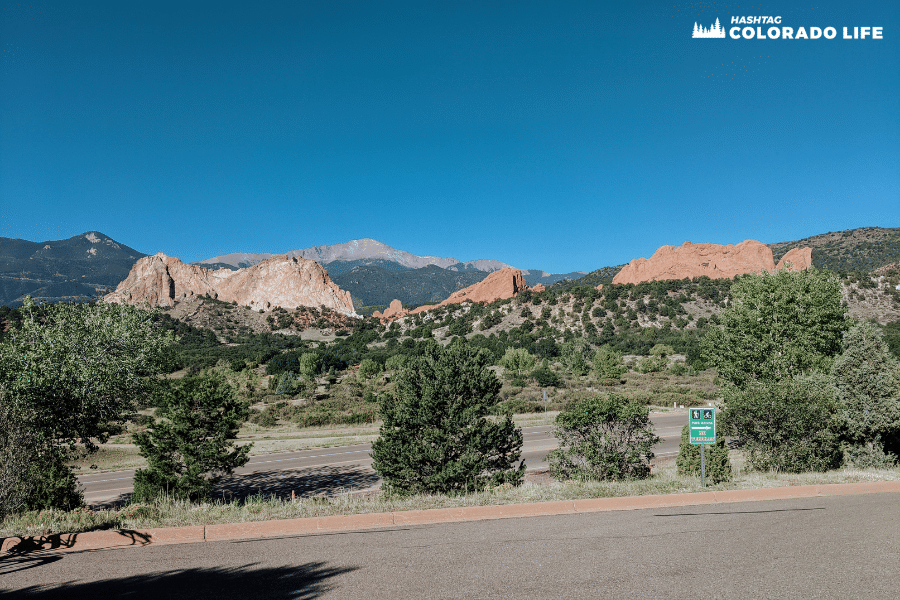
192 448
867 377
435 437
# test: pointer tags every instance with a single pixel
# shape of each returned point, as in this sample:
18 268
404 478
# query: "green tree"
310 365
608 364
517 362
603 438
18 456
789 426
191 447
70 374
867 377
369 368
718 466
575 356
777 327
658 359
435 437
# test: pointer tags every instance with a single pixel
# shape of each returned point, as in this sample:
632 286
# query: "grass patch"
170 513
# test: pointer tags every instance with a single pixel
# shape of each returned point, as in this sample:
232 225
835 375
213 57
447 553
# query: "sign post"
702 432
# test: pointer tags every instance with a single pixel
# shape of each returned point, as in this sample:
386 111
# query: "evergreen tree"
191 448
867 377
435 437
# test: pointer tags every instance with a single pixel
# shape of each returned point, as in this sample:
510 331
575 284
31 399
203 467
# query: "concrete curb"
97 540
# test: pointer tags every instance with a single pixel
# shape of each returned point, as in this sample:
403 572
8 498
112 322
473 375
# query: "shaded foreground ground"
826 547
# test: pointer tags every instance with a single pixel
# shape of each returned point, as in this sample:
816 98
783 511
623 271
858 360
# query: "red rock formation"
161 280
538 288
394 311
499 285
713 260
799 258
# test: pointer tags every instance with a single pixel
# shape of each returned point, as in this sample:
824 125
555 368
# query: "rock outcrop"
161 280
499 285
800 259
713 260
392 312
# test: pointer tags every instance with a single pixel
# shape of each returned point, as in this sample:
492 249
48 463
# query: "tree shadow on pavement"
303 482
297 582
313 481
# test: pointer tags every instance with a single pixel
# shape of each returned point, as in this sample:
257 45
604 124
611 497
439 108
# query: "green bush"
603 438
435 437
718 466
546 377
517 406
192 447
607 364
788 426
369 368
867 377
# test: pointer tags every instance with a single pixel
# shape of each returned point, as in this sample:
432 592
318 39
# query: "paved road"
344 468
834 547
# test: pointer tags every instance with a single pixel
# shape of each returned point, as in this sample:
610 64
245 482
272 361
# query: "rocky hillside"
376 287
852 251
79 269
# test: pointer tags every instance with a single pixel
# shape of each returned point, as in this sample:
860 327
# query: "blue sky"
550 134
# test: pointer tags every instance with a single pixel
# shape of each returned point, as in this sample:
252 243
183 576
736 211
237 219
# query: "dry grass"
170 513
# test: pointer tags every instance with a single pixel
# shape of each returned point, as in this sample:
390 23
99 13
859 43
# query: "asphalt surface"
343 468
824 547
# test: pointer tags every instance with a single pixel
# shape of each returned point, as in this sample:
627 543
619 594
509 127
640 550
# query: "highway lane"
346 468
833 547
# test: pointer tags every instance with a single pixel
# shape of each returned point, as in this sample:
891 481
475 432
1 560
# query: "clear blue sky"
550 134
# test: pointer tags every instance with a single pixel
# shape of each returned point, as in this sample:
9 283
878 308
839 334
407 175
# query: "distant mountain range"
361 250
88 265
375 273
77 269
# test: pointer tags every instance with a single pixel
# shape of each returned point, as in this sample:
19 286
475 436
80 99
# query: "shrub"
368 368
434 437
517 406
546 377
607 364
718 466
788 426
603 438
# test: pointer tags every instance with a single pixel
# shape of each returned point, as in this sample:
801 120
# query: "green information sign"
702 426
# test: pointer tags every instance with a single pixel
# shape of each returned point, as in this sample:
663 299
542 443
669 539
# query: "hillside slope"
79 269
